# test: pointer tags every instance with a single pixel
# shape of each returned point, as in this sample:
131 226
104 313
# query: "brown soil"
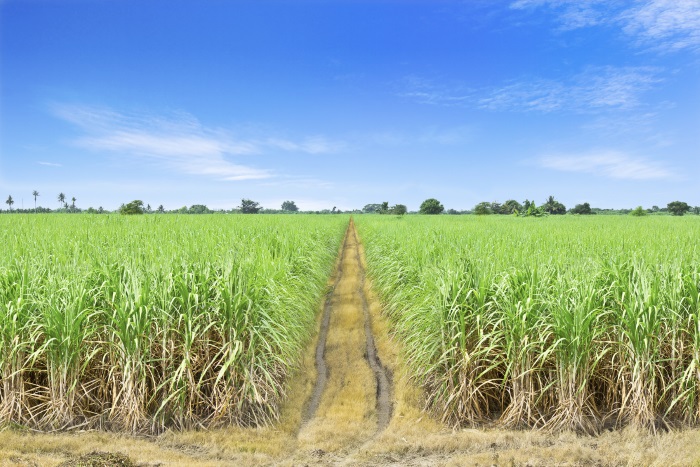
352 403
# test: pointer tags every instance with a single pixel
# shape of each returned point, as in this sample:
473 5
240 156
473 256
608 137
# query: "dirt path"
381 374
351 402
320 355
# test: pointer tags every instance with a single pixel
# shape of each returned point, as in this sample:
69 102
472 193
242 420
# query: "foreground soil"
351 404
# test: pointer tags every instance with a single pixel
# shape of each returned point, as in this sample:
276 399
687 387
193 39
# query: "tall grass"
143 324
562 323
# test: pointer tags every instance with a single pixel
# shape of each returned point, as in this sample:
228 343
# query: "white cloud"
599 88
595 89
180 142
433 134
539 95
662 25
312 145
572 13
49 164
425 91
642 127
610 164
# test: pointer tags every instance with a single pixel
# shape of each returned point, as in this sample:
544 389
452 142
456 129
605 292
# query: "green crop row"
148 323
562 323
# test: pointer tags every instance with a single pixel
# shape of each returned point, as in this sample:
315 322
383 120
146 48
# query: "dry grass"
347 405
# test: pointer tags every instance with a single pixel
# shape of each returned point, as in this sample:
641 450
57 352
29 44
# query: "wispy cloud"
610 164
662 25
49 164
426 91
180 142
595 89
572 14
642 127
599 88
430 135
310 145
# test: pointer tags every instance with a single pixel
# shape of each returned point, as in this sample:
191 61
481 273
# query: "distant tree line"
553 207
430 206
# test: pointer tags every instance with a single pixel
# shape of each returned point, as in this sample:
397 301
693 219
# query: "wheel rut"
320 354
351 401
381 373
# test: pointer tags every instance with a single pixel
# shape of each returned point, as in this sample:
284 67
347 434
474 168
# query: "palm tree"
73 205
552 206
35 194
10 202
62 198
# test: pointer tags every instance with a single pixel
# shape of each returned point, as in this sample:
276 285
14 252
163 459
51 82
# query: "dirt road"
351 402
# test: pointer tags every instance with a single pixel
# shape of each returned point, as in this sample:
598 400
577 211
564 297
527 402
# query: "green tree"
399 209
161 209
132 208
678 208
289 206
511 207
552 206
249 206
696 210
483 209
431 206
10 202
35 194
199 209
638 211
72 206
584 208
371 208
61 199
384 208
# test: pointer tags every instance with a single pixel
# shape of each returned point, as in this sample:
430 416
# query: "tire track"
322 370
381 373
351 399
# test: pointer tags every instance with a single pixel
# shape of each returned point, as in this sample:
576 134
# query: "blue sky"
345 103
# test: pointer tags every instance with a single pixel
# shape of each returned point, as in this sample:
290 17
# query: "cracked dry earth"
352 404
